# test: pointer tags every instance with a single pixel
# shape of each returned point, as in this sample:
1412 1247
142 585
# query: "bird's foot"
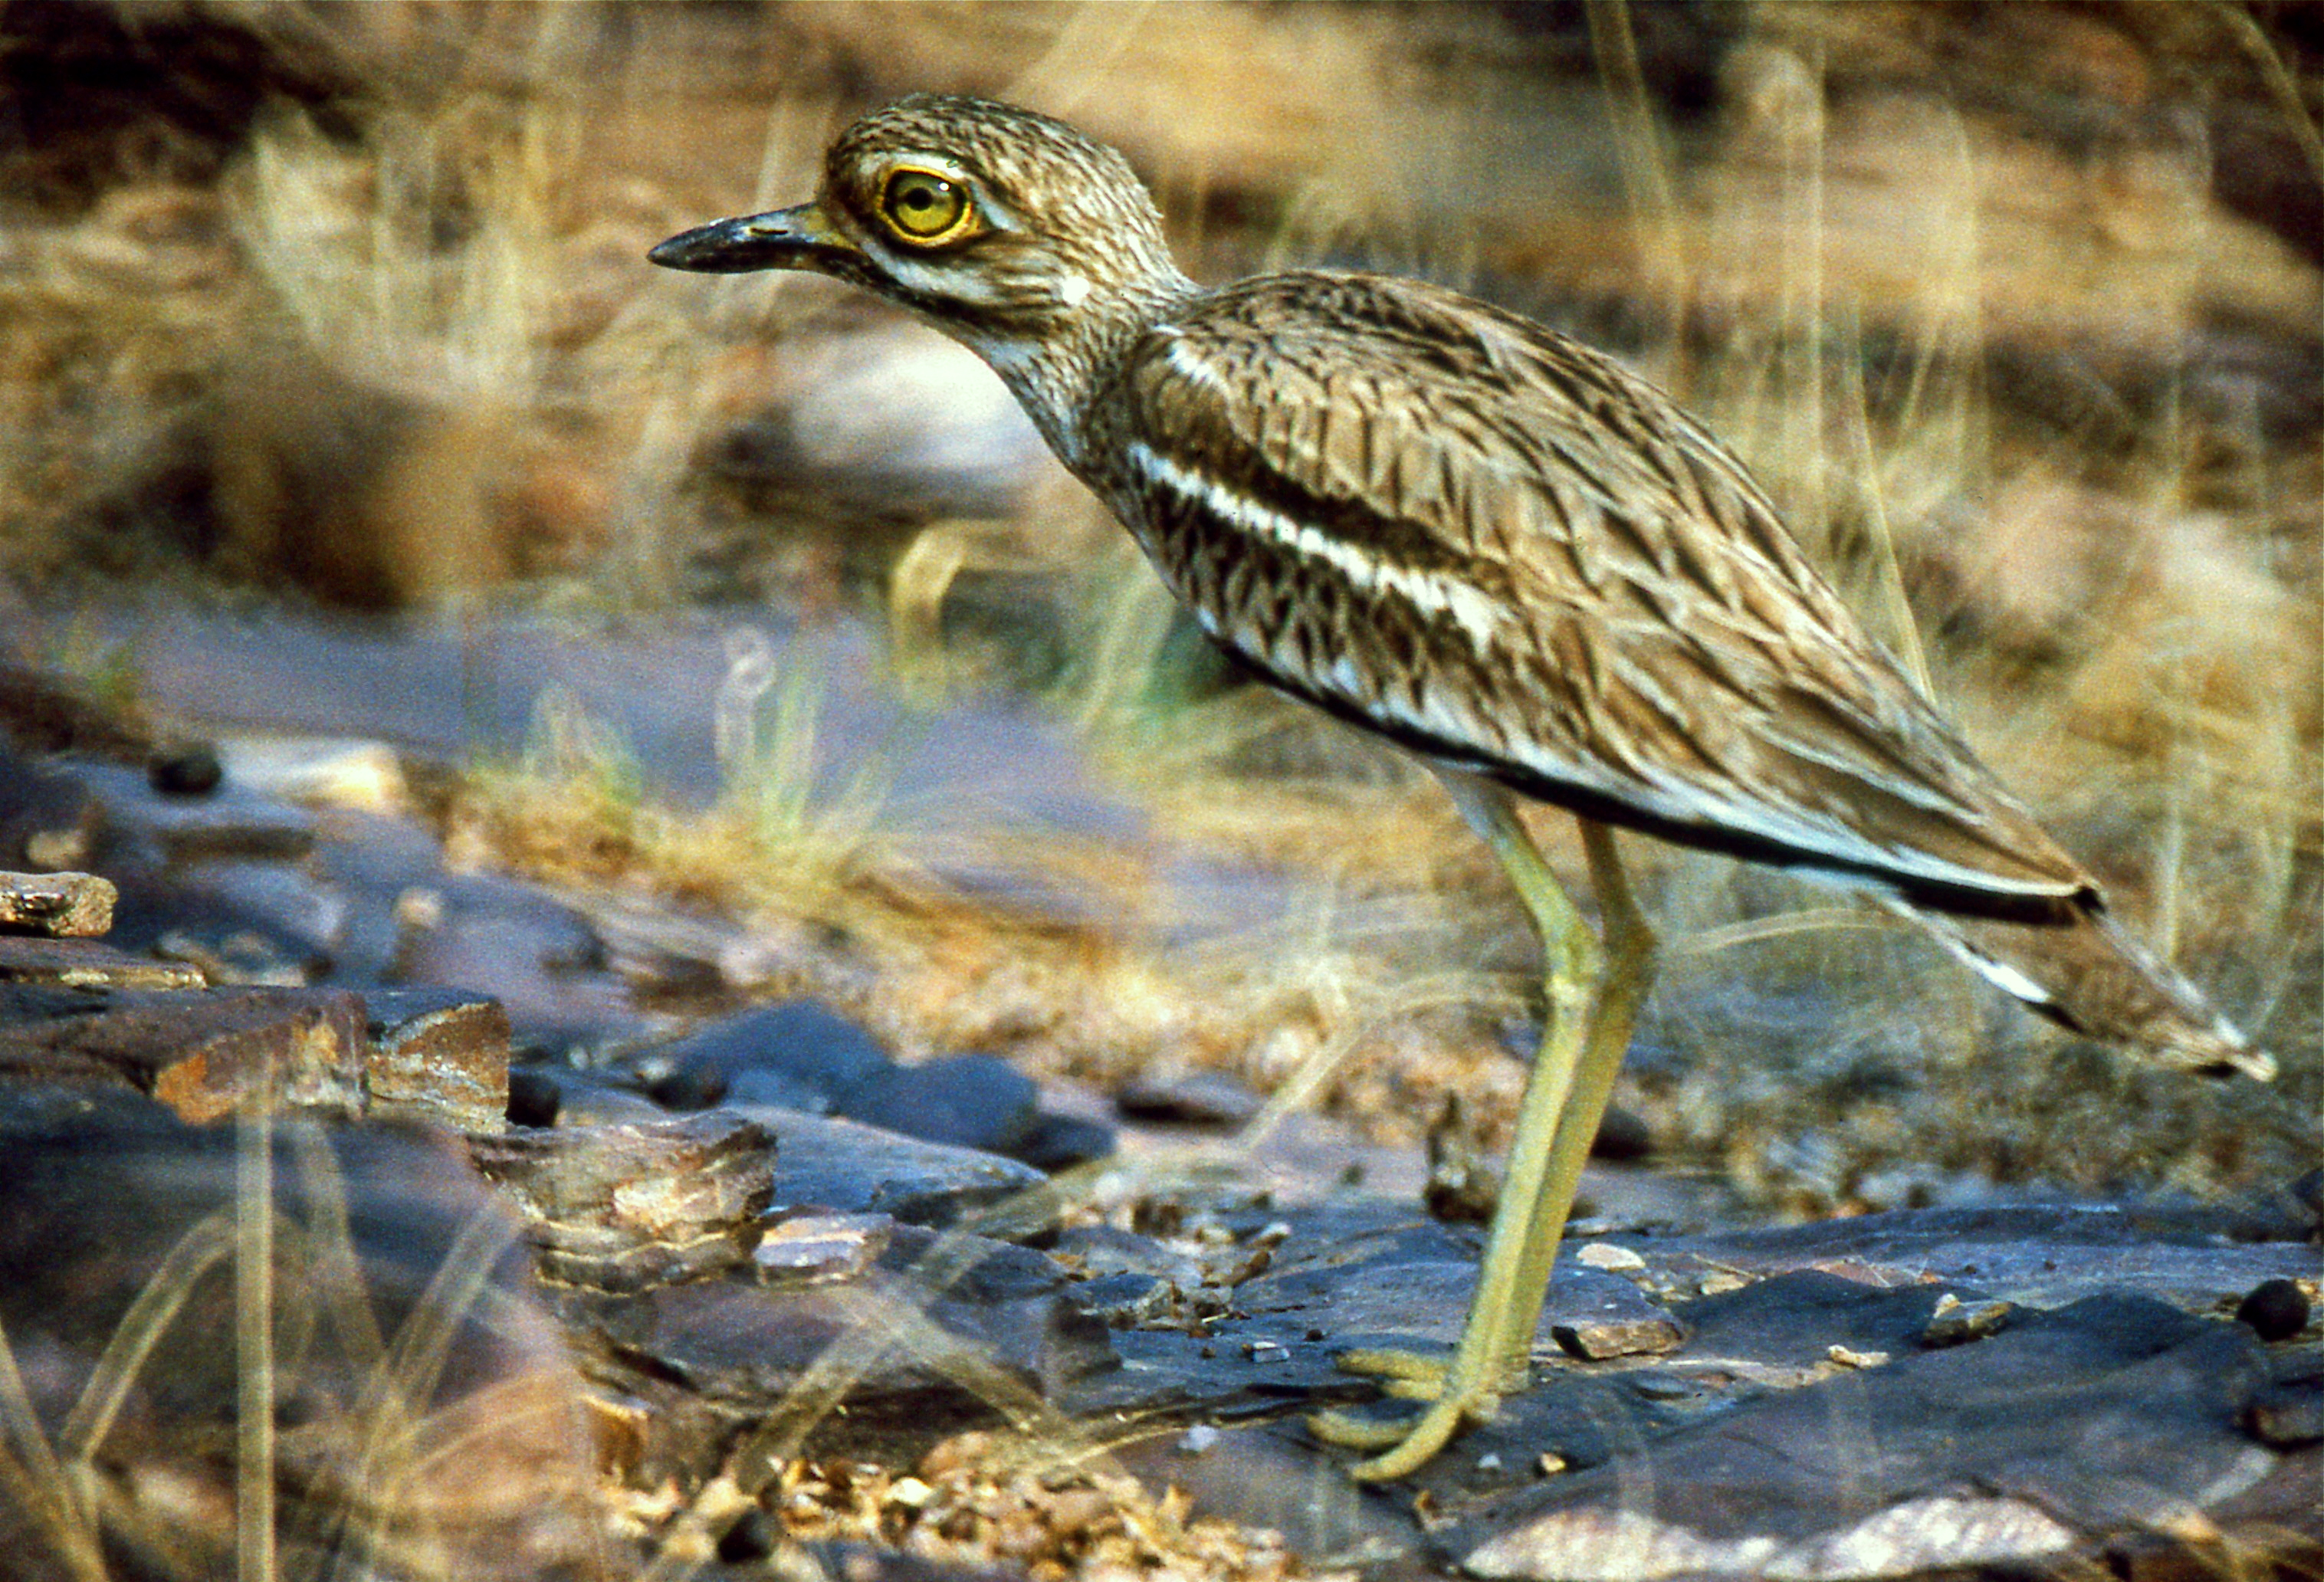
1452 1404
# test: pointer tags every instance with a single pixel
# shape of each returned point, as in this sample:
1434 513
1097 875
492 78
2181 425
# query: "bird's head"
1002 226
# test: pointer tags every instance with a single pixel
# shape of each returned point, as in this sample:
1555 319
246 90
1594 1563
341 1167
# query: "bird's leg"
1624 980
1494 1353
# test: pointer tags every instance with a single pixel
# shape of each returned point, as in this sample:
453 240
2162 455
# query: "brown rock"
204 1055
57 904
630 1207
441 1058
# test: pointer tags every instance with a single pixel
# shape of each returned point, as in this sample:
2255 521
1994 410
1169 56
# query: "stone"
1188 1097
919 1346
845 1165
204 1055
1060 1142
1794 1319
189 769
977 1101
2034 1254
624 1209
1598 1315
83 963
2276 1310
567 1096
534 1097
800 1054
1953 1321
68 904
47 819
1623 1137
811 1248
438 1055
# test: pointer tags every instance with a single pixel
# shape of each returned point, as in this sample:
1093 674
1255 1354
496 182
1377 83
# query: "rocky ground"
539 1300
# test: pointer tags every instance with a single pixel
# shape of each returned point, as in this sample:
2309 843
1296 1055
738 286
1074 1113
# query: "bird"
1507 553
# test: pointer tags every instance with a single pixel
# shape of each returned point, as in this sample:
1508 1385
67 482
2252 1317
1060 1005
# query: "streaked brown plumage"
1490 543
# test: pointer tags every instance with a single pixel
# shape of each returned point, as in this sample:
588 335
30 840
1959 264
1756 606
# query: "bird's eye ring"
920 206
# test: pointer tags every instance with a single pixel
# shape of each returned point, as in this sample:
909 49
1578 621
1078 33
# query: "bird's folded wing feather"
1611 613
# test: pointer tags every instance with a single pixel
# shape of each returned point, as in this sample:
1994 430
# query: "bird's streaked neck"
1054 373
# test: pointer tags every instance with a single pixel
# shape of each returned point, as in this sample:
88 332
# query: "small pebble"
1198 1438
533 1097
2276 1310
910 1493
1490 1461
1953 1321
1604 1254
1848 1358
188 770
1550 1464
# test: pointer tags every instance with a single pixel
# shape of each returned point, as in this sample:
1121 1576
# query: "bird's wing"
1513 554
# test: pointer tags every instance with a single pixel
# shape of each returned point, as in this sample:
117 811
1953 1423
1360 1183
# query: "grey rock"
800 1054
2288 1411
1600 1315
1953 1321
917 1347
1060 1142
2042 1255
964 1100
1793 1319
206 1055
110 1198
1197 1097
228 822
845 1165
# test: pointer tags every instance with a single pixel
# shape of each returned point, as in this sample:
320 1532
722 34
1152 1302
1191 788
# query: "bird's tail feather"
2088 975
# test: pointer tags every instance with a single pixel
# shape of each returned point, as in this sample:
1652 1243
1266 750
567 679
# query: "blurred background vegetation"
2017 307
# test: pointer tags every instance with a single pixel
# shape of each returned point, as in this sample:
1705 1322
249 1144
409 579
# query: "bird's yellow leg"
1627 975
1492 1355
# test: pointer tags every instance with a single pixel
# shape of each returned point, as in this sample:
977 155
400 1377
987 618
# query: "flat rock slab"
86 963
934 1334
2034 1255
223 822
205 1055
2116 1415
826 1163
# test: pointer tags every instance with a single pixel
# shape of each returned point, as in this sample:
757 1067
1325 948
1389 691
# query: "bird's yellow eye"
922 205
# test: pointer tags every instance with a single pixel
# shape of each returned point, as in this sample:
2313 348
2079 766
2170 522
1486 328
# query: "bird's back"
1513 555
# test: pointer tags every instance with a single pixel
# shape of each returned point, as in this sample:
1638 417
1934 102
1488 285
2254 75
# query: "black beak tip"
705 250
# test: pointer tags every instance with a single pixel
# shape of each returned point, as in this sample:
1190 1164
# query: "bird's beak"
788 238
